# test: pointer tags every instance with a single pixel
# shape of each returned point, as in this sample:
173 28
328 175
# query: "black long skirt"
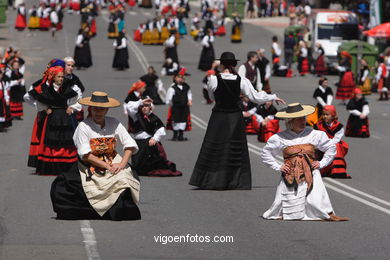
82 56
207 58
121 59
171 52
152 161
70 202
223 162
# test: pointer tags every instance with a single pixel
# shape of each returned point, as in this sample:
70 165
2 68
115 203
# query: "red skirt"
16 108
53 160
304 66
321 66
338 168
137 36
252 126
166 9
346 86
44 24
20 23
357 127
271 128
93 27
76 6
169 121
221 31
35 139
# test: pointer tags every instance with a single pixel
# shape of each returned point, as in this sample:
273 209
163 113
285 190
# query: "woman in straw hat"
101 185
223 162
301 194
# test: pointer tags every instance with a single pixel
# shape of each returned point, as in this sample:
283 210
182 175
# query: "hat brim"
226 60
112 102
307 110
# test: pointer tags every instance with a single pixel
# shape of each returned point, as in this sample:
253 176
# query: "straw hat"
99 99
295 110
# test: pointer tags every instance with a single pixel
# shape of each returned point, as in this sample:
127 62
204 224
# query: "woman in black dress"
223 162
153 86
82 51
207 55
121 57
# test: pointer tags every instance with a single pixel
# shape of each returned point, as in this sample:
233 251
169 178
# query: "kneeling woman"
101 185
151 160
301 194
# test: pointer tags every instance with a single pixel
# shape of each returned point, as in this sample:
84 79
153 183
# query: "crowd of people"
95 182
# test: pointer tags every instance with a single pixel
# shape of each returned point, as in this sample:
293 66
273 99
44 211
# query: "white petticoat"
294 205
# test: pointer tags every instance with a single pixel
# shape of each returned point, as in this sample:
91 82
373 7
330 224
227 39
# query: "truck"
331 28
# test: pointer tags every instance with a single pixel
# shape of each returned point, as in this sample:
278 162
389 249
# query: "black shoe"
174 137
181 137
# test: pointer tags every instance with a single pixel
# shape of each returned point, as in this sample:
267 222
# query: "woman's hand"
285 169
147 101
116 168
279 101
189 103
315 164
49 111
69 111
362 116
152 142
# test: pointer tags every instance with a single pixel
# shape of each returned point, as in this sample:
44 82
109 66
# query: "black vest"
251 74
227 95
180 97
262 65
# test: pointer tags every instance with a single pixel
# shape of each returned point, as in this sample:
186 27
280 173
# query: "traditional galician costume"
205 90
17 89
135 94
207 56
170 50
250 71
335 131
52 150
154 86
303 61
324 96
82 51
346 84
269 125
101 185
5 115
21 21
236 29
364 80
151 159
223 161
381 77
301 194
358 124
179 99
121 56
320 64
33 21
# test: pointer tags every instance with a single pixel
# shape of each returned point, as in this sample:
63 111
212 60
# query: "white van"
331 28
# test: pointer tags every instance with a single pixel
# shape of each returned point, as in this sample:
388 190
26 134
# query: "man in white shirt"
250 71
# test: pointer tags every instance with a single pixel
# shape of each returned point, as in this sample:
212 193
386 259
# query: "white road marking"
89 240
132 13
257 150
376 137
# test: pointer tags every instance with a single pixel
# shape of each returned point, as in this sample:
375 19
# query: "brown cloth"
299 159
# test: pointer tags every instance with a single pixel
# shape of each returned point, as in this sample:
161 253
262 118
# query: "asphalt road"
169 206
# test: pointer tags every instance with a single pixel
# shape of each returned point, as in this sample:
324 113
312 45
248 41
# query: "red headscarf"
136 86
52 72
347 55
357 91
331 109
210 72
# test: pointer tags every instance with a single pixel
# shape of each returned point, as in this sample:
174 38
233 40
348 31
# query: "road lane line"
366 202
358 191
257 150
89 240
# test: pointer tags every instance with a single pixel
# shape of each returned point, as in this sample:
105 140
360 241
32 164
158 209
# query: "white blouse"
278 142
88 129
171 93
258 97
